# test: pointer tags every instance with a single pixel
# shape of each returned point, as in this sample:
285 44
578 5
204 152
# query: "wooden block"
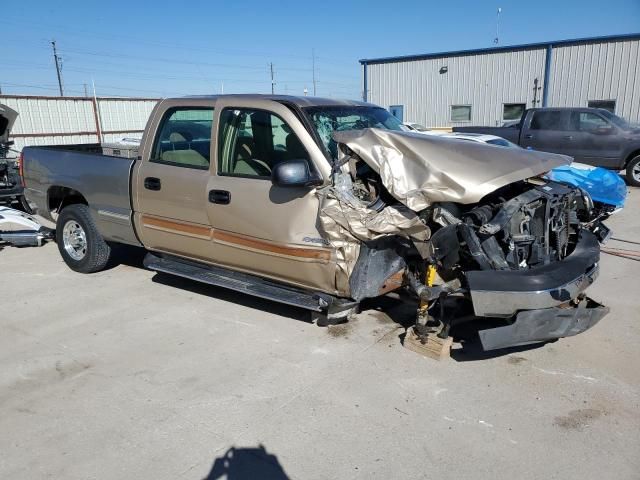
435 347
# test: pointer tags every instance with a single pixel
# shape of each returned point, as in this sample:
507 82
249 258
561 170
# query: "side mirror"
294 173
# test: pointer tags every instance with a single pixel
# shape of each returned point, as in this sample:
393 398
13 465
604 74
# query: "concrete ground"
129 374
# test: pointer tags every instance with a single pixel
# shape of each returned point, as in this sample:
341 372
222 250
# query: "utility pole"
85 90
57 60
313 68
273 83
497 39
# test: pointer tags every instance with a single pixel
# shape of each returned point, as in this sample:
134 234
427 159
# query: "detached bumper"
505 293
535 326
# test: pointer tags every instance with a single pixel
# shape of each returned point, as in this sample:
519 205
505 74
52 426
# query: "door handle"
221 197
528 136
567 137
152 183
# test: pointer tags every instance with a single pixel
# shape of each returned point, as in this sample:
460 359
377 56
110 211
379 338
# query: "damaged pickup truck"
322 204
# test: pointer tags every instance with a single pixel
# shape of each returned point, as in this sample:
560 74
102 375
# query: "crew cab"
593 136
322 204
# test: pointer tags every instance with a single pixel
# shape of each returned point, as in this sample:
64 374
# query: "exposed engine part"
428 293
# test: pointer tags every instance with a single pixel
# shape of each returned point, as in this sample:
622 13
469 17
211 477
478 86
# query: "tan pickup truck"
321 204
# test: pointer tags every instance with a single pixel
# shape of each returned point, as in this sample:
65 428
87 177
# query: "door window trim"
169 111
220 143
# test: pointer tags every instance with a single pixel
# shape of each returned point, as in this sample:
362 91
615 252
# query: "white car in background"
481 138
419 128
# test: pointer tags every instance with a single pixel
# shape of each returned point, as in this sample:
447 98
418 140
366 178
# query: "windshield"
616 120
327 120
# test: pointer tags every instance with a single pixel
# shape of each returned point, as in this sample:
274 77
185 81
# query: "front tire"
80 244
633 171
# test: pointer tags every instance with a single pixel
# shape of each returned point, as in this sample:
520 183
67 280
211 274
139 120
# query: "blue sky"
166 48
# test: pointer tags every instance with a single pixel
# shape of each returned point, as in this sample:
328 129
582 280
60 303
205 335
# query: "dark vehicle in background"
11 191
590 135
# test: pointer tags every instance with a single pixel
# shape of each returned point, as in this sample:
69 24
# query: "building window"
460 113
606 104
513 111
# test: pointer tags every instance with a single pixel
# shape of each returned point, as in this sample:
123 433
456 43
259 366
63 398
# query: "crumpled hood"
7 118
419 170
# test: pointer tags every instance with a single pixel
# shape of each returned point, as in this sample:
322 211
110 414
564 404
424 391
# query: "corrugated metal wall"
484 81
597 71
61 120
605 70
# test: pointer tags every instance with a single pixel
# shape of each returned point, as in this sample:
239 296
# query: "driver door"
259 227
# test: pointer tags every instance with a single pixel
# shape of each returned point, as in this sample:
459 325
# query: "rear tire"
633 171
80 244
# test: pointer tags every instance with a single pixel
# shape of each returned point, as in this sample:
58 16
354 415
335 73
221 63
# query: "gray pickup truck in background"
590 135
292 199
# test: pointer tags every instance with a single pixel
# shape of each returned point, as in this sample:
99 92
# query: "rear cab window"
183 138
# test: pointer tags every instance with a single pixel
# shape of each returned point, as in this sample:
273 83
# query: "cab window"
184 138
252 142
547 120
586 122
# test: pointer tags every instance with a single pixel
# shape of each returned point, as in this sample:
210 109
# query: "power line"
64 29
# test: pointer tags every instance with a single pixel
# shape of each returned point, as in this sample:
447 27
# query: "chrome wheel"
635 172
74 240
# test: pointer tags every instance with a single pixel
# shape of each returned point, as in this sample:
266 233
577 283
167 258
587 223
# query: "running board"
244 283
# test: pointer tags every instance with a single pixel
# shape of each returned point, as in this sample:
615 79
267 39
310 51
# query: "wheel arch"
633 154
59 196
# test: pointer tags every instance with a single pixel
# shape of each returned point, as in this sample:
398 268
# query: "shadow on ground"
134 256
247 463
401 312
464 331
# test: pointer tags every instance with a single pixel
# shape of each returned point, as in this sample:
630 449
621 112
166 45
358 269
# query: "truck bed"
103 180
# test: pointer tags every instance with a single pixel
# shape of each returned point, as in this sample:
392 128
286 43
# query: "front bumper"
505 293
535 326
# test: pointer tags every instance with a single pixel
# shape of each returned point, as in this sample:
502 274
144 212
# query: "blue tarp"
603 185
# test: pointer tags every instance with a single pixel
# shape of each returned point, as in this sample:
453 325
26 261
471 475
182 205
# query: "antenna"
497 39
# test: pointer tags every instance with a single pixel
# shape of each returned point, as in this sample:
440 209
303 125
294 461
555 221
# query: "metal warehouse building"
494 85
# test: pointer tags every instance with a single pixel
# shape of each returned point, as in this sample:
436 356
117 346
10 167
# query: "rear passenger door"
547 131
171 179
259 227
